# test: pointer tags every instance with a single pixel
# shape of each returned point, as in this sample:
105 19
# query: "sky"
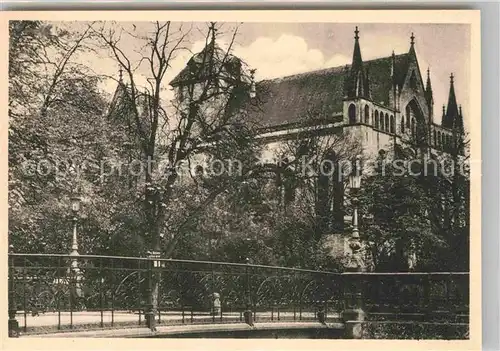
281 49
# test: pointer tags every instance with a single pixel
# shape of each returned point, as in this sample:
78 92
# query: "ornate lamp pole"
353 314
75 208
356 260
74 268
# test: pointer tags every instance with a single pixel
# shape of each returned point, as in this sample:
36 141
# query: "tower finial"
451 78
444 112
356 33
460 109
428 73
412 38
213 30
120 72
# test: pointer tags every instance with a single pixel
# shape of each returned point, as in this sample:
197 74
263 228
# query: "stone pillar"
353 314
216 306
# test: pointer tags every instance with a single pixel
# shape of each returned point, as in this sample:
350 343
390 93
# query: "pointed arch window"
408 116
413 127
329 194
285 182
352 114
439 139
386 122
435 138
392 124
382 124
376 120
367 114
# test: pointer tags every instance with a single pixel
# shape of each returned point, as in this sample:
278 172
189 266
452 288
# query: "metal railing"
46 294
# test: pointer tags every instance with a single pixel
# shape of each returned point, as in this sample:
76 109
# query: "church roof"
320 94
199 66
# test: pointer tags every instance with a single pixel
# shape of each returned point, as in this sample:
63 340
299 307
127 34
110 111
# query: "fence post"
13 323
248 311
149 313
353 314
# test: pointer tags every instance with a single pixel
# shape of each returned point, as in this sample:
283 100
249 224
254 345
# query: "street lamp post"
75 208
356 259
353 314
74 267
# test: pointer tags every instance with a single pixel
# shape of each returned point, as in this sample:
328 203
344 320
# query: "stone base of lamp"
353 321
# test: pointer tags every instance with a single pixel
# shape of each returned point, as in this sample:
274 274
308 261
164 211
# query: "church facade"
382 102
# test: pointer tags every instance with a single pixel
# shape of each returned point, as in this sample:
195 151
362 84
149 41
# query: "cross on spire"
214 30
356 33
451 78
412 38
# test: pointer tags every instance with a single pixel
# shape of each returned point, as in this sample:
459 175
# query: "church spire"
428 89
428 94
356 56
412 44
358 82
459 123
452 109
428 86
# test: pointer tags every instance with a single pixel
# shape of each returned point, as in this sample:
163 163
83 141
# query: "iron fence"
48 294
117 287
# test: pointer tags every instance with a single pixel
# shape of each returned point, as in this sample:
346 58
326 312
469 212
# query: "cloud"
286 55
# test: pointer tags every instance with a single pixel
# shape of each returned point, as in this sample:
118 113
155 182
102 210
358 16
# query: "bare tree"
207 120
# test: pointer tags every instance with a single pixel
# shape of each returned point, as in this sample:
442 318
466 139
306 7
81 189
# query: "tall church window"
367 114
386 122
439 139
408 116
285 182
352 114
329 195
435 138
392 124
376 120
413 127
382 124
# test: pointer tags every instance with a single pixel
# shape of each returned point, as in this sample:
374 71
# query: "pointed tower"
357 83
459 125
452 115
120 96
429 96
